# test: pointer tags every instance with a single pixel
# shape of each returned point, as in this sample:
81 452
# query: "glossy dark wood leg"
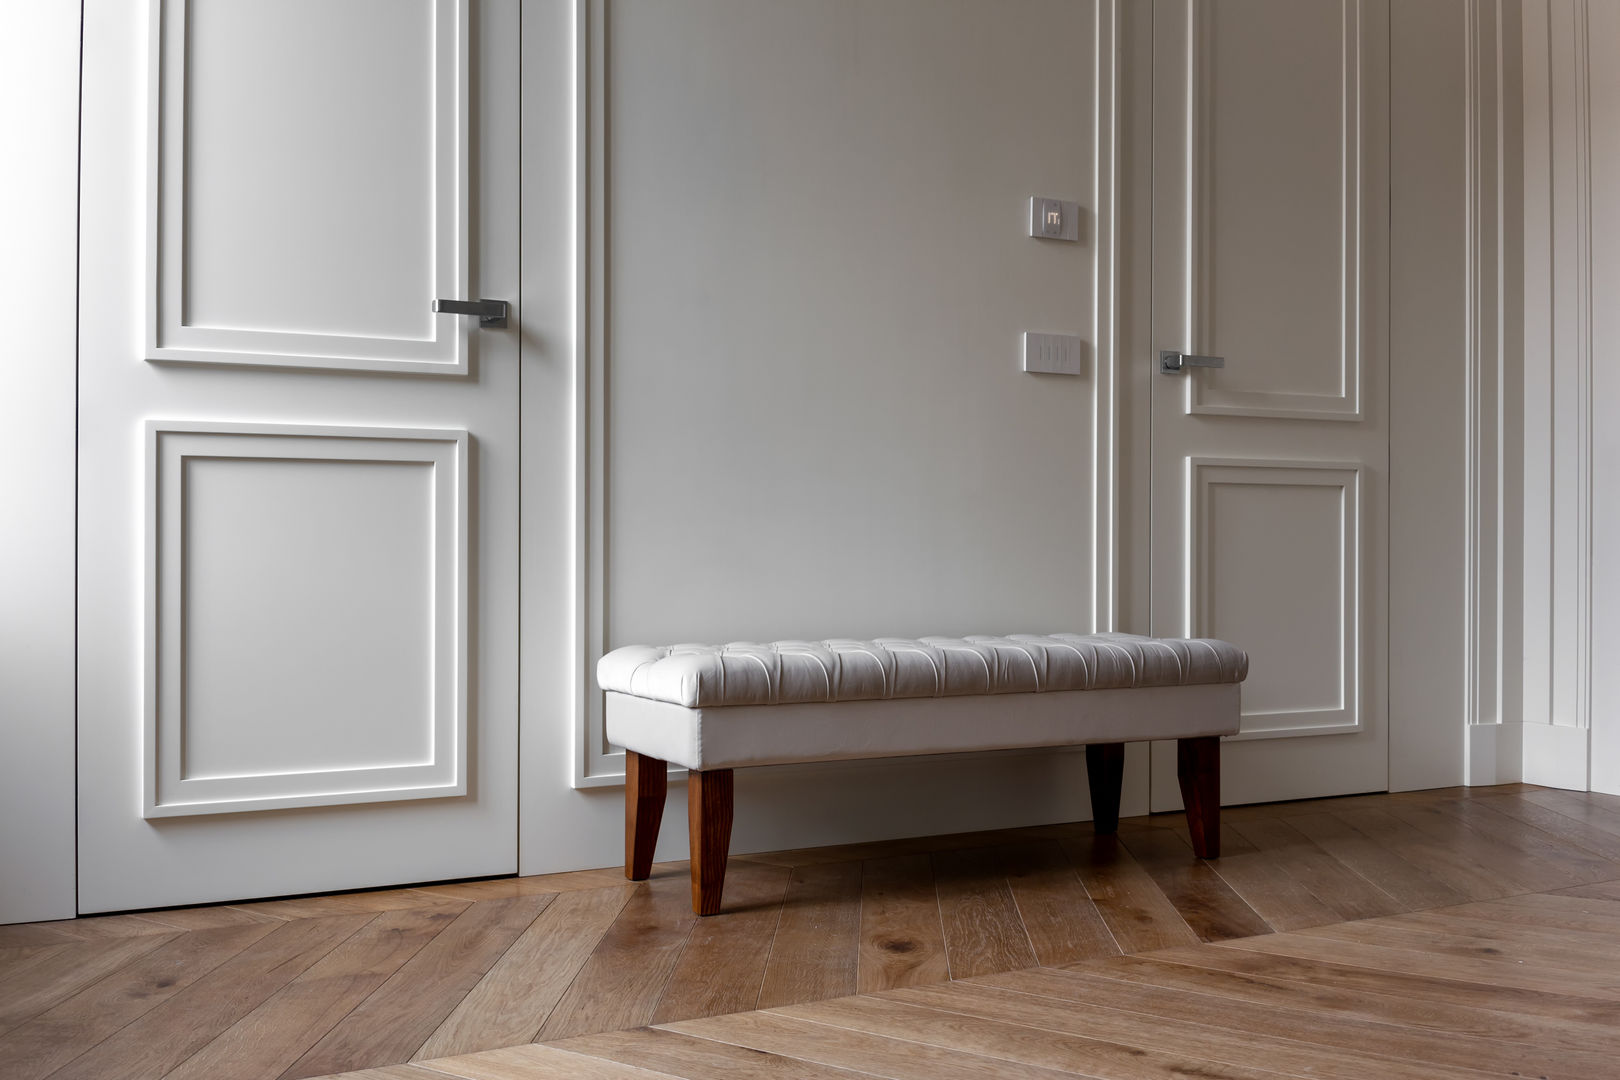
646 782
1198 767
1105 770
708 811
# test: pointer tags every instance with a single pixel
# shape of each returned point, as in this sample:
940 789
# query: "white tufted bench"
715 708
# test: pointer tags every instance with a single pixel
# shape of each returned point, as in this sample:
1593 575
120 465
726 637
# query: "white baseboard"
1556 755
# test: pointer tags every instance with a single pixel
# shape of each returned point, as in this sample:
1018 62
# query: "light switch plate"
1054 219
1052 354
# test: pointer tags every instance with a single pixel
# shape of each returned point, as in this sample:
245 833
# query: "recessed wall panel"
306 606
1275 194
1275 559
308 615
308 183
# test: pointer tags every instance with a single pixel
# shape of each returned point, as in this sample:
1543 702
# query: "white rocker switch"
1052 354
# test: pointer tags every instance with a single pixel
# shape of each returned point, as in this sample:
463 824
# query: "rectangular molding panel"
306 616
1296 526
1278 235
254 259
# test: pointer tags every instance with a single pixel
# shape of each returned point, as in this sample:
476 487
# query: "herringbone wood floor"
1035 920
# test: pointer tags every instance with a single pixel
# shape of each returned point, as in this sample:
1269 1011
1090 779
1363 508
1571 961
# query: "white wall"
808 270
39 113
1428 405
1571 446
1604 123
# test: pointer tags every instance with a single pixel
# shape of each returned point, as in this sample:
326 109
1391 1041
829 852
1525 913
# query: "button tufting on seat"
791 672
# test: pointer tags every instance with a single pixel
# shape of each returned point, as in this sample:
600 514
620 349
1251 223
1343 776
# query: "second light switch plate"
1052 354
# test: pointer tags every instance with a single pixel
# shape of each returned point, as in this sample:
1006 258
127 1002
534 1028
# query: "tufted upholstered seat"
713 708
795 672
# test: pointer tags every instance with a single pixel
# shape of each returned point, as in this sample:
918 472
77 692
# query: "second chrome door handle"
1174 363
491 313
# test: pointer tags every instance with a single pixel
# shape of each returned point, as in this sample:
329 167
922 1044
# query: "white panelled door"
1269 475
298 485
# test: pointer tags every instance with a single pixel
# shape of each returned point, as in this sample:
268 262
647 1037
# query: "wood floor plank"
1405 882
722 967
153 1045
535 1063
901 940
1435 932
817 944
1312 1025
983 931
512 1001
1546 911
265 1042
1019 1044
1502 851
1391 1003
1487 971
1374 975
620 984
39 986
1170 1036
1581 864
393 1072
391 1024
882 1055
22 935
1570 830
1137 914
16 959
1601 890
1205 902
671 1052
536 885
1263 884
1344 892
1060 917
206 918
301 907
1457 870
816 950
107 927
1580 806
57 1036
1232 841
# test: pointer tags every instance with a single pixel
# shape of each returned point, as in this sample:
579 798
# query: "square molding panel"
306 616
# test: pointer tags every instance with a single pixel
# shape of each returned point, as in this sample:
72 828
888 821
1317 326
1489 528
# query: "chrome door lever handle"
1174 363
491 313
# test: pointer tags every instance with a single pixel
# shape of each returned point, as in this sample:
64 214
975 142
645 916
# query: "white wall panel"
1428 402
307 591
244 97
1276 223
1296 527
39 76
1602 294
1572 517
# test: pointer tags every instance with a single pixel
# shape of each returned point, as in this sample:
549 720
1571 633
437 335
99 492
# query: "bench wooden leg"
646 781
708 812
1105 771
1198 767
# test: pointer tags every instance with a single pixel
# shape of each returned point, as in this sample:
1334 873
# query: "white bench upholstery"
714 708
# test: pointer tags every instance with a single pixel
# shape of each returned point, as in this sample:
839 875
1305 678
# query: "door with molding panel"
1269 474
297 482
